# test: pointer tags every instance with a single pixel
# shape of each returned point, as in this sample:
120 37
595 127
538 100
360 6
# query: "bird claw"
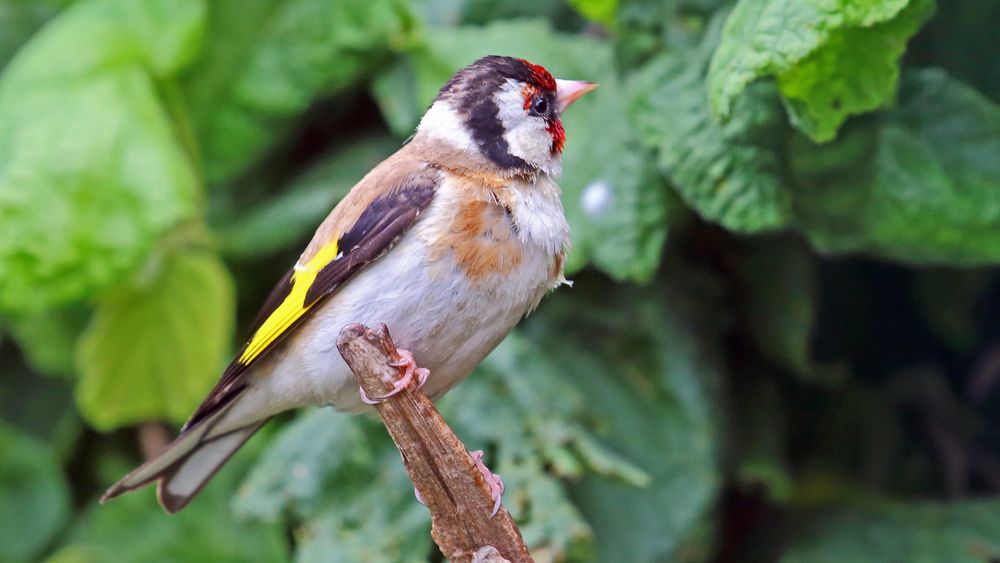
410 370
494 481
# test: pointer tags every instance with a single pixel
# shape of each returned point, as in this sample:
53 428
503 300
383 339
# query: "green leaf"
730 174
600 11
616 206
19 19
36 501
134 528
918 184
341 477
265 62
537 442
831 60
913 532
48 339
154 348
297 473
649 367
383 522
91 172
291 215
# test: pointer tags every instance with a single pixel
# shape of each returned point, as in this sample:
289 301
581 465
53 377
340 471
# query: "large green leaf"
154 348
616 206
266 61
831 59
91 171
730 174
917 184
35 496
913 532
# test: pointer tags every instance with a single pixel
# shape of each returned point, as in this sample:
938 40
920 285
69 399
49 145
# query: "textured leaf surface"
154 349
831 59
341 477
36 501
266 62
616 206
919 184
91 172
916 532
855 71
730 174
648 367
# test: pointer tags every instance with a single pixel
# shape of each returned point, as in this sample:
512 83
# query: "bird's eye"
540 105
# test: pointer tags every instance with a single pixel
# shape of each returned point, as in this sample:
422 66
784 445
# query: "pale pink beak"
569 91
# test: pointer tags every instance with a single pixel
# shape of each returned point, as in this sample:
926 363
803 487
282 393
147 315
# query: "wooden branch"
440 467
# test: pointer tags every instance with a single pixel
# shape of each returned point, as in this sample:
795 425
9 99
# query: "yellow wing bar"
292 307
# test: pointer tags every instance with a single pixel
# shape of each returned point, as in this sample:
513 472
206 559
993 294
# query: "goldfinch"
450 242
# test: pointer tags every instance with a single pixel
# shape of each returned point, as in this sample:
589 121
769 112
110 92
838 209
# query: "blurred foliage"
781 343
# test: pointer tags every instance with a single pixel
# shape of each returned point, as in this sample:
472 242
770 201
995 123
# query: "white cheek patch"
527 136
443 123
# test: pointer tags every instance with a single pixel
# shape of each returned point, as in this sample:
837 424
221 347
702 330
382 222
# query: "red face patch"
540 77
555 129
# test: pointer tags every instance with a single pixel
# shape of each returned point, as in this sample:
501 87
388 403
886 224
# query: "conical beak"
569 91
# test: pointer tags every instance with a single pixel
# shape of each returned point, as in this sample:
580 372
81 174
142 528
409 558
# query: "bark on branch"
440 467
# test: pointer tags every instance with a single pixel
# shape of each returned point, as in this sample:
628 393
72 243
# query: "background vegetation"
782 342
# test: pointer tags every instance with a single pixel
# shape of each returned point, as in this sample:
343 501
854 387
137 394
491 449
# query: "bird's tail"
187 463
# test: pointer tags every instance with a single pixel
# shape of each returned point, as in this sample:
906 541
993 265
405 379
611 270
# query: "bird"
450 242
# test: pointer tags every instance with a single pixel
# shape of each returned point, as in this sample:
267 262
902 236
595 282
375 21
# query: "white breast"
431 307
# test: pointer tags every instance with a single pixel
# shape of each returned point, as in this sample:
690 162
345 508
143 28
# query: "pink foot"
410 370
492 479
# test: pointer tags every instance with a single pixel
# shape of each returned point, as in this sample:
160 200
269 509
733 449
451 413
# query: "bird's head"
507 110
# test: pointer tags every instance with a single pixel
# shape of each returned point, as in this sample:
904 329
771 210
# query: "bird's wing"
330 261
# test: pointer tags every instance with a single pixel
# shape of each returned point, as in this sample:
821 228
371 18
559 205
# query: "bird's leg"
410 369
492 479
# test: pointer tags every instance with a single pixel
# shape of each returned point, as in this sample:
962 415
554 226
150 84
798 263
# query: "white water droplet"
597 197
